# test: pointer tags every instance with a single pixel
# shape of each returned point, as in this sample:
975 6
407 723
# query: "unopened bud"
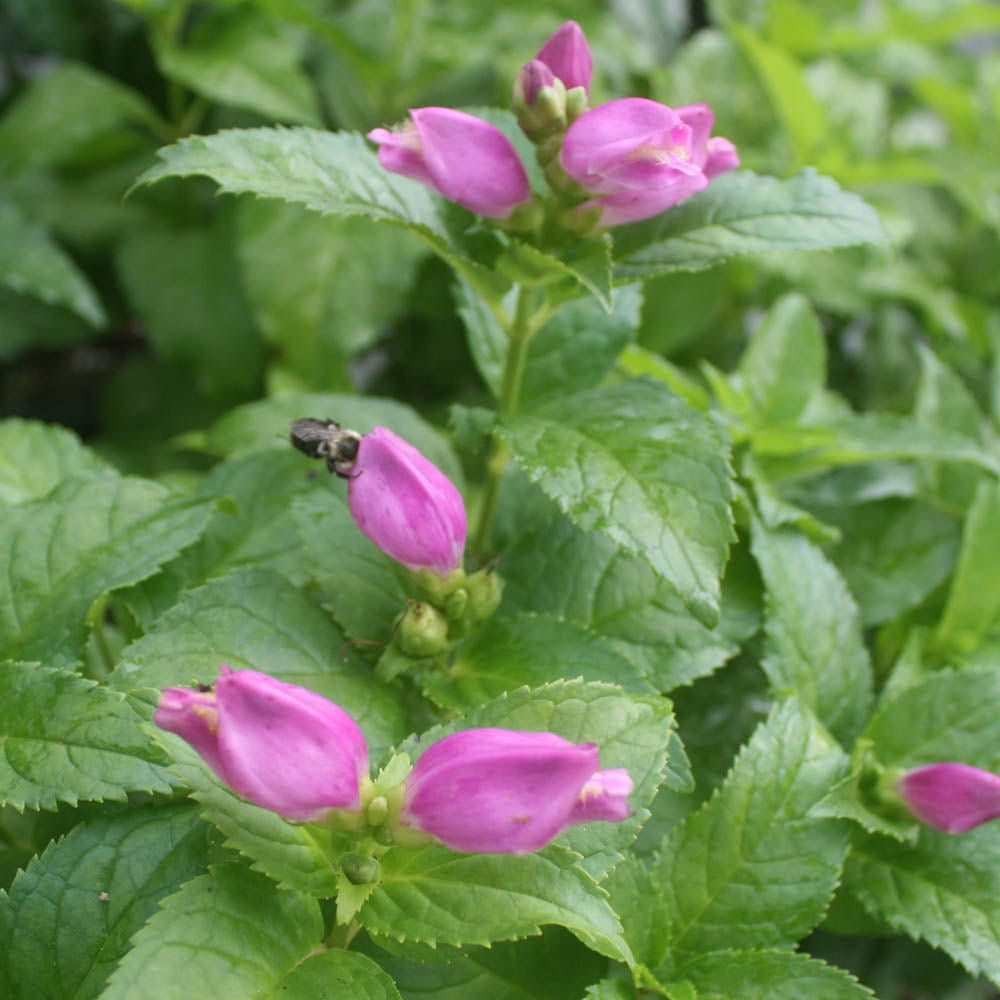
377 810
360 869
485 589
422 630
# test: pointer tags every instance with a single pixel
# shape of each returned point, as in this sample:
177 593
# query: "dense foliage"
735 465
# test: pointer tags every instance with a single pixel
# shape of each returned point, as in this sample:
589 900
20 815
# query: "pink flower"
406 505
951 797
459 156
282 747
642 157
532 78
498 791
567 54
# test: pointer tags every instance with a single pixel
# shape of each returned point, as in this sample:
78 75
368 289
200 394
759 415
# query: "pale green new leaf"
439 897
635 463
748 870
32 264
64 739
35 457
742 213
214 931
86 538
349 972
71 913
813 642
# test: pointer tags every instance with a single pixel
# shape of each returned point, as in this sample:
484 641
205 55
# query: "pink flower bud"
406 505
532 78
282 747
567 54
459 156
641 157
497 791
953 798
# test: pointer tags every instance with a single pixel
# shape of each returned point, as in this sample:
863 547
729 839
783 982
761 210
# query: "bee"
326 439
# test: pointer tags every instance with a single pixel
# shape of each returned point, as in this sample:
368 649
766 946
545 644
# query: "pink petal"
567 54
603 797
633 206
951 797
722 157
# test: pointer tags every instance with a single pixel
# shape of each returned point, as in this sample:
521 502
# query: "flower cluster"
492 791
620 162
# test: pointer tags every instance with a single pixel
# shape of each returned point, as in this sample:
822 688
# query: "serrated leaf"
813 641
242 58
845 801
785 363
553 965
365 589
526 650
327 172
297 857
631 732
948 716
346 972
769 975
974 596
32 264
61 112
71 913
640 905
633 462
439 897
212 931
86 538
944 890
748 869
35 457
742 213
254 618
65 739
554 568
267 423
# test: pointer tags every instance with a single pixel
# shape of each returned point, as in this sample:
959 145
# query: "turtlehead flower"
461 157
642 158
406 505
282 747
567 54
953 798
498 791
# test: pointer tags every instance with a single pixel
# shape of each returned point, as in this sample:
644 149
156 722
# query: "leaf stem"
522 327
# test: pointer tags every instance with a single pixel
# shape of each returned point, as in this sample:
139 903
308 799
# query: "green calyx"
422 630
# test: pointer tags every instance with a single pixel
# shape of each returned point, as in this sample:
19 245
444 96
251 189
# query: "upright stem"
519 333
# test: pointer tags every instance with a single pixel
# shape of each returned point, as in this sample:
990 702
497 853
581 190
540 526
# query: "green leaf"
742 213
553 568
71 913
748 870
974 596
365 590
893 554
639 902
212 931
32 264
948 716
769 975
254 618
867 437
245 59
785 364
296 856
35 457
632 732
29 323
66 740
633 462
527 649
267 423
846 801
439 897
348 972
327 172
944 890
813 641
185 286
86 538
63 111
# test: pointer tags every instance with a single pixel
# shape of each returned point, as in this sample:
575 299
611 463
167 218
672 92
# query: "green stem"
521 329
